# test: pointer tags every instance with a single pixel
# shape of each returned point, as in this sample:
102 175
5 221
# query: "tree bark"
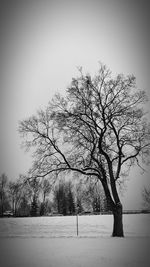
118 221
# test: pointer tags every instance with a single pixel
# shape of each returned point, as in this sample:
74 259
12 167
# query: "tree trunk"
116 208
118 221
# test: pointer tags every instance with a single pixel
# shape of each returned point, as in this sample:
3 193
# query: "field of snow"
96 226
53 242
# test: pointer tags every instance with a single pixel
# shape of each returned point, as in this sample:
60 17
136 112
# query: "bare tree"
35 189
64 198
21 193
95 196
98 130
3 189
80 196
15 194
45 188
146 197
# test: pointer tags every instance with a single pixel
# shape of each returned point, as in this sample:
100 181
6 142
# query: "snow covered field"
137 225
52 242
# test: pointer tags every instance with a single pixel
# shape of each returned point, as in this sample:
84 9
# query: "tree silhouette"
98 129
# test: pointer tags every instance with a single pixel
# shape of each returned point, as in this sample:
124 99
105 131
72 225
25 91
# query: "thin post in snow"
77 223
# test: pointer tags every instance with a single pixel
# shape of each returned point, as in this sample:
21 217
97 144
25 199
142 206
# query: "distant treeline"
43 197
136 211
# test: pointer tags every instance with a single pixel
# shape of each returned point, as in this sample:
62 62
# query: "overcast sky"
43 42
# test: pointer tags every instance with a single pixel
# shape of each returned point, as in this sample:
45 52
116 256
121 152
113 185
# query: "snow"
96 225
52 242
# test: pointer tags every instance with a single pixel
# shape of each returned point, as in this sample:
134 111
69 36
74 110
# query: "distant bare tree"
98 129
35 189
64 198
81 196
3 190
45 188
96 196
146 197
15 194
24 204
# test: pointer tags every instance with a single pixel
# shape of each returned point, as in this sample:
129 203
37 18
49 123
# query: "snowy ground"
52 242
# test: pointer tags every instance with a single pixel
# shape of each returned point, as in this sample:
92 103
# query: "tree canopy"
98 128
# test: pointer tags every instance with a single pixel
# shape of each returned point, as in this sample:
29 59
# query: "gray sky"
42 43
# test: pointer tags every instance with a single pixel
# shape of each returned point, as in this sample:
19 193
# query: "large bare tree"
98 129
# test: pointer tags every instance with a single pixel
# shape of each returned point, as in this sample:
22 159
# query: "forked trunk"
118 222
